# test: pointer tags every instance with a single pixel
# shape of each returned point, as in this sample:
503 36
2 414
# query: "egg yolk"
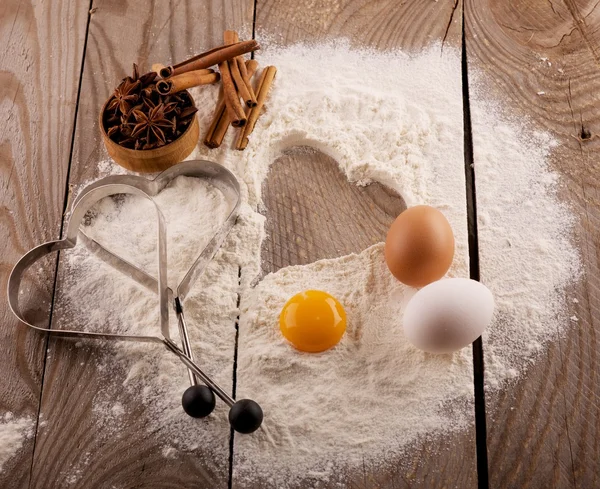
313 321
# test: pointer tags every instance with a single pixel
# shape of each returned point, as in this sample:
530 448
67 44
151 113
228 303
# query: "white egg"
448 315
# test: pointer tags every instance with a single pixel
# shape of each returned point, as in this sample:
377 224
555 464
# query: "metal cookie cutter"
245 415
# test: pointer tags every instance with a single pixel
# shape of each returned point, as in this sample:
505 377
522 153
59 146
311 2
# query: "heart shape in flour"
314 212
213 173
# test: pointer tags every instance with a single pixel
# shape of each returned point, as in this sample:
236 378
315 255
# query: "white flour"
392 118
526 252
13 432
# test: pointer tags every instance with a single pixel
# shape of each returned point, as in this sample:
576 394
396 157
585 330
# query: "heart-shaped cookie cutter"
245 415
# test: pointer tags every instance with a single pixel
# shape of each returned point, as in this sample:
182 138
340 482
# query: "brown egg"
419 247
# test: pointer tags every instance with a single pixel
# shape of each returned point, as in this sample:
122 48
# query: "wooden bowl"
152 160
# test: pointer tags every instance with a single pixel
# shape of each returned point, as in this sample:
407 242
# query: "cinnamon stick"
244 86
264 85
213 57
235 67
221 120
246 76
194 58
242 89
186 80
211 139
232 100
221 111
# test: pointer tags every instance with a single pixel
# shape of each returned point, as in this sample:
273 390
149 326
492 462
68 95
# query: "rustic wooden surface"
303 239
545 431
42 45
121 33
334 219
542 433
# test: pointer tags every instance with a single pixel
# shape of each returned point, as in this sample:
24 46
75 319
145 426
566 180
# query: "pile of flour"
390 117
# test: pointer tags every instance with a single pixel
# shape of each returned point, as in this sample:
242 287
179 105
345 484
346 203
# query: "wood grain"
42 46
303 227
74 448
545 431
296 236
382 24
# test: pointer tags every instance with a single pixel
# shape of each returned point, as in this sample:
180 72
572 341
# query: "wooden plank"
382 25
75 449
42 45
544 432
315 222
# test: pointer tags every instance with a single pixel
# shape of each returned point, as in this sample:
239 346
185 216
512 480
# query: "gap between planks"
471 191
237 321
234 380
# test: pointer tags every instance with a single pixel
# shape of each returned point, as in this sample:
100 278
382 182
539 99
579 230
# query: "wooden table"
60 60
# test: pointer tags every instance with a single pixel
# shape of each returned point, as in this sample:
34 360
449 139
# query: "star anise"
148 91
126 95
138 117
128 117
125 130
188 112
136 72
152 125
168 107
112 119
148 78
129 142
144 79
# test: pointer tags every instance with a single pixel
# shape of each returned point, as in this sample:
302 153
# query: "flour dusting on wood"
13 433
395 118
